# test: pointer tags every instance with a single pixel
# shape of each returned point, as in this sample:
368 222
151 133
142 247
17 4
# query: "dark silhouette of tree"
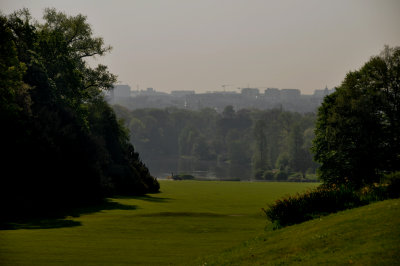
62 144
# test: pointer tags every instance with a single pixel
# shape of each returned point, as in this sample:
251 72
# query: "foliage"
299 158
259 140
281 175
268 175
260 134
356 142
327 199
393 182
302 207
358 126
182 177
61 140
296 177
259 174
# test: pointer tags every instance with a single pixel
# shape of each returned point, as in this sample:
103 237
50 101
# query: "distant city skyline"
213 45
239 90
247 98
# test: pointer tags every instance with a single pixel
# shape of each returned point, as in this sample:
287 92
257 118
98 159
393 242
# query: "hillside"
369 235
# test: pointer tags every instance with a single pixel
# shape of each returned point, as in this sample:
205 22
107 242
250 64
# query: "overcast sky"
201 45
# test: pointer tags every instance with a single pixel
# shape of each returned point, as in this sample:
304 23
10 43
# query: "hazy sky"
203 44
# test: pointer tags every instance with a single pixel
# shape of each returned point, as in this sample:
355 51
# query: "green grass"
207 223
368 235
188 220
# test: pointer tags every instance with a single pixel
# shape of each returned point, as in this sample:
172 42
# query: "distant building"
250 92
118 93
272 94
152 92
148 92
182 93
223 92
287 99
121 91
322 93
290 94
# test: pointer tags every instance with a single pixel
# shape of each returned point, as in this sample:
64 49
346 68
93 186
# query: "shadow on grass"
146 198
39 224
184 214
58 219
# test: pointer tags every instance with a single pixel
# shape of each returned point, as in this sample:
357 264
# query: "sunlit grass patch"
368 235
188 219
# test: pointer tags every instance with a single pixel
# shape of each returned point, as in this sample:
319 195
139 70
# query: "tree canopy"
358 128
263 141
61 142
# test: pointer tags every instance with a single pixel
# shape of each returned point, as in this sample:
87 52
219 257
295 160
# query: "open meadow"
187 220
78 141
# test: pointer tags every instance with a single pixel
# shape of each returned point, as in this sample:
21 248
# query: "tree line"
274 143
61 143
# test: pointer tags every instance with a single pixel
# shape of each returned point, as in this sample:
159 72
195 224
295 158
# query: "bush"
281 175
389 188
183 177
393 184
314 203
328 199
268 175
258 174
296 177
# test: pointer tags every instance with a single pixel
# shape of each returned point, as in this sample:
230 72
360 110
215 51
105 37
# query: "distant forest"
275 144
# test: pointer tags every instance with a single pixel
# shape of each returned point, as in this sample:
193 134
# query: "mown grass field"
369 235
188 220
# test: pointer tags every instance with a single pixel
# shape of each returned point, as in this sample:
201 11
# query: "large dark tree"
61 144
358 129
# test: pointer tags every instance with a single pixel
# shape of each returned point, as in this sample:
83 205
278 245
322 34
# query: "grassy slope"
186 221
369 235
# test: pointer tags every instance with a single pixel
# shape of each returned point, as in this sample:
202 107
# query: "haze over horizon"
202 45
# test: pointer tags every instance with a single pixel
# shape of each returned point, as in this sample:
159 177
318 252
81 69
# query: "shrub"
387 189
296 177
183 177
314 203
258 174
268 175
393 184
374 192
329 199
281 175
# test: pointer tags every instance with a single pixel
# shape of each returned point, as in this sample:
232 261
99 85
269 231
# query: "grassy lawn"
187 220
369 235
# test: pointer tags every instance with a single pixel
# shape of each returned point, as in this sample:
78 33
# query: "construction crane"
257 87
240 88
225 85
